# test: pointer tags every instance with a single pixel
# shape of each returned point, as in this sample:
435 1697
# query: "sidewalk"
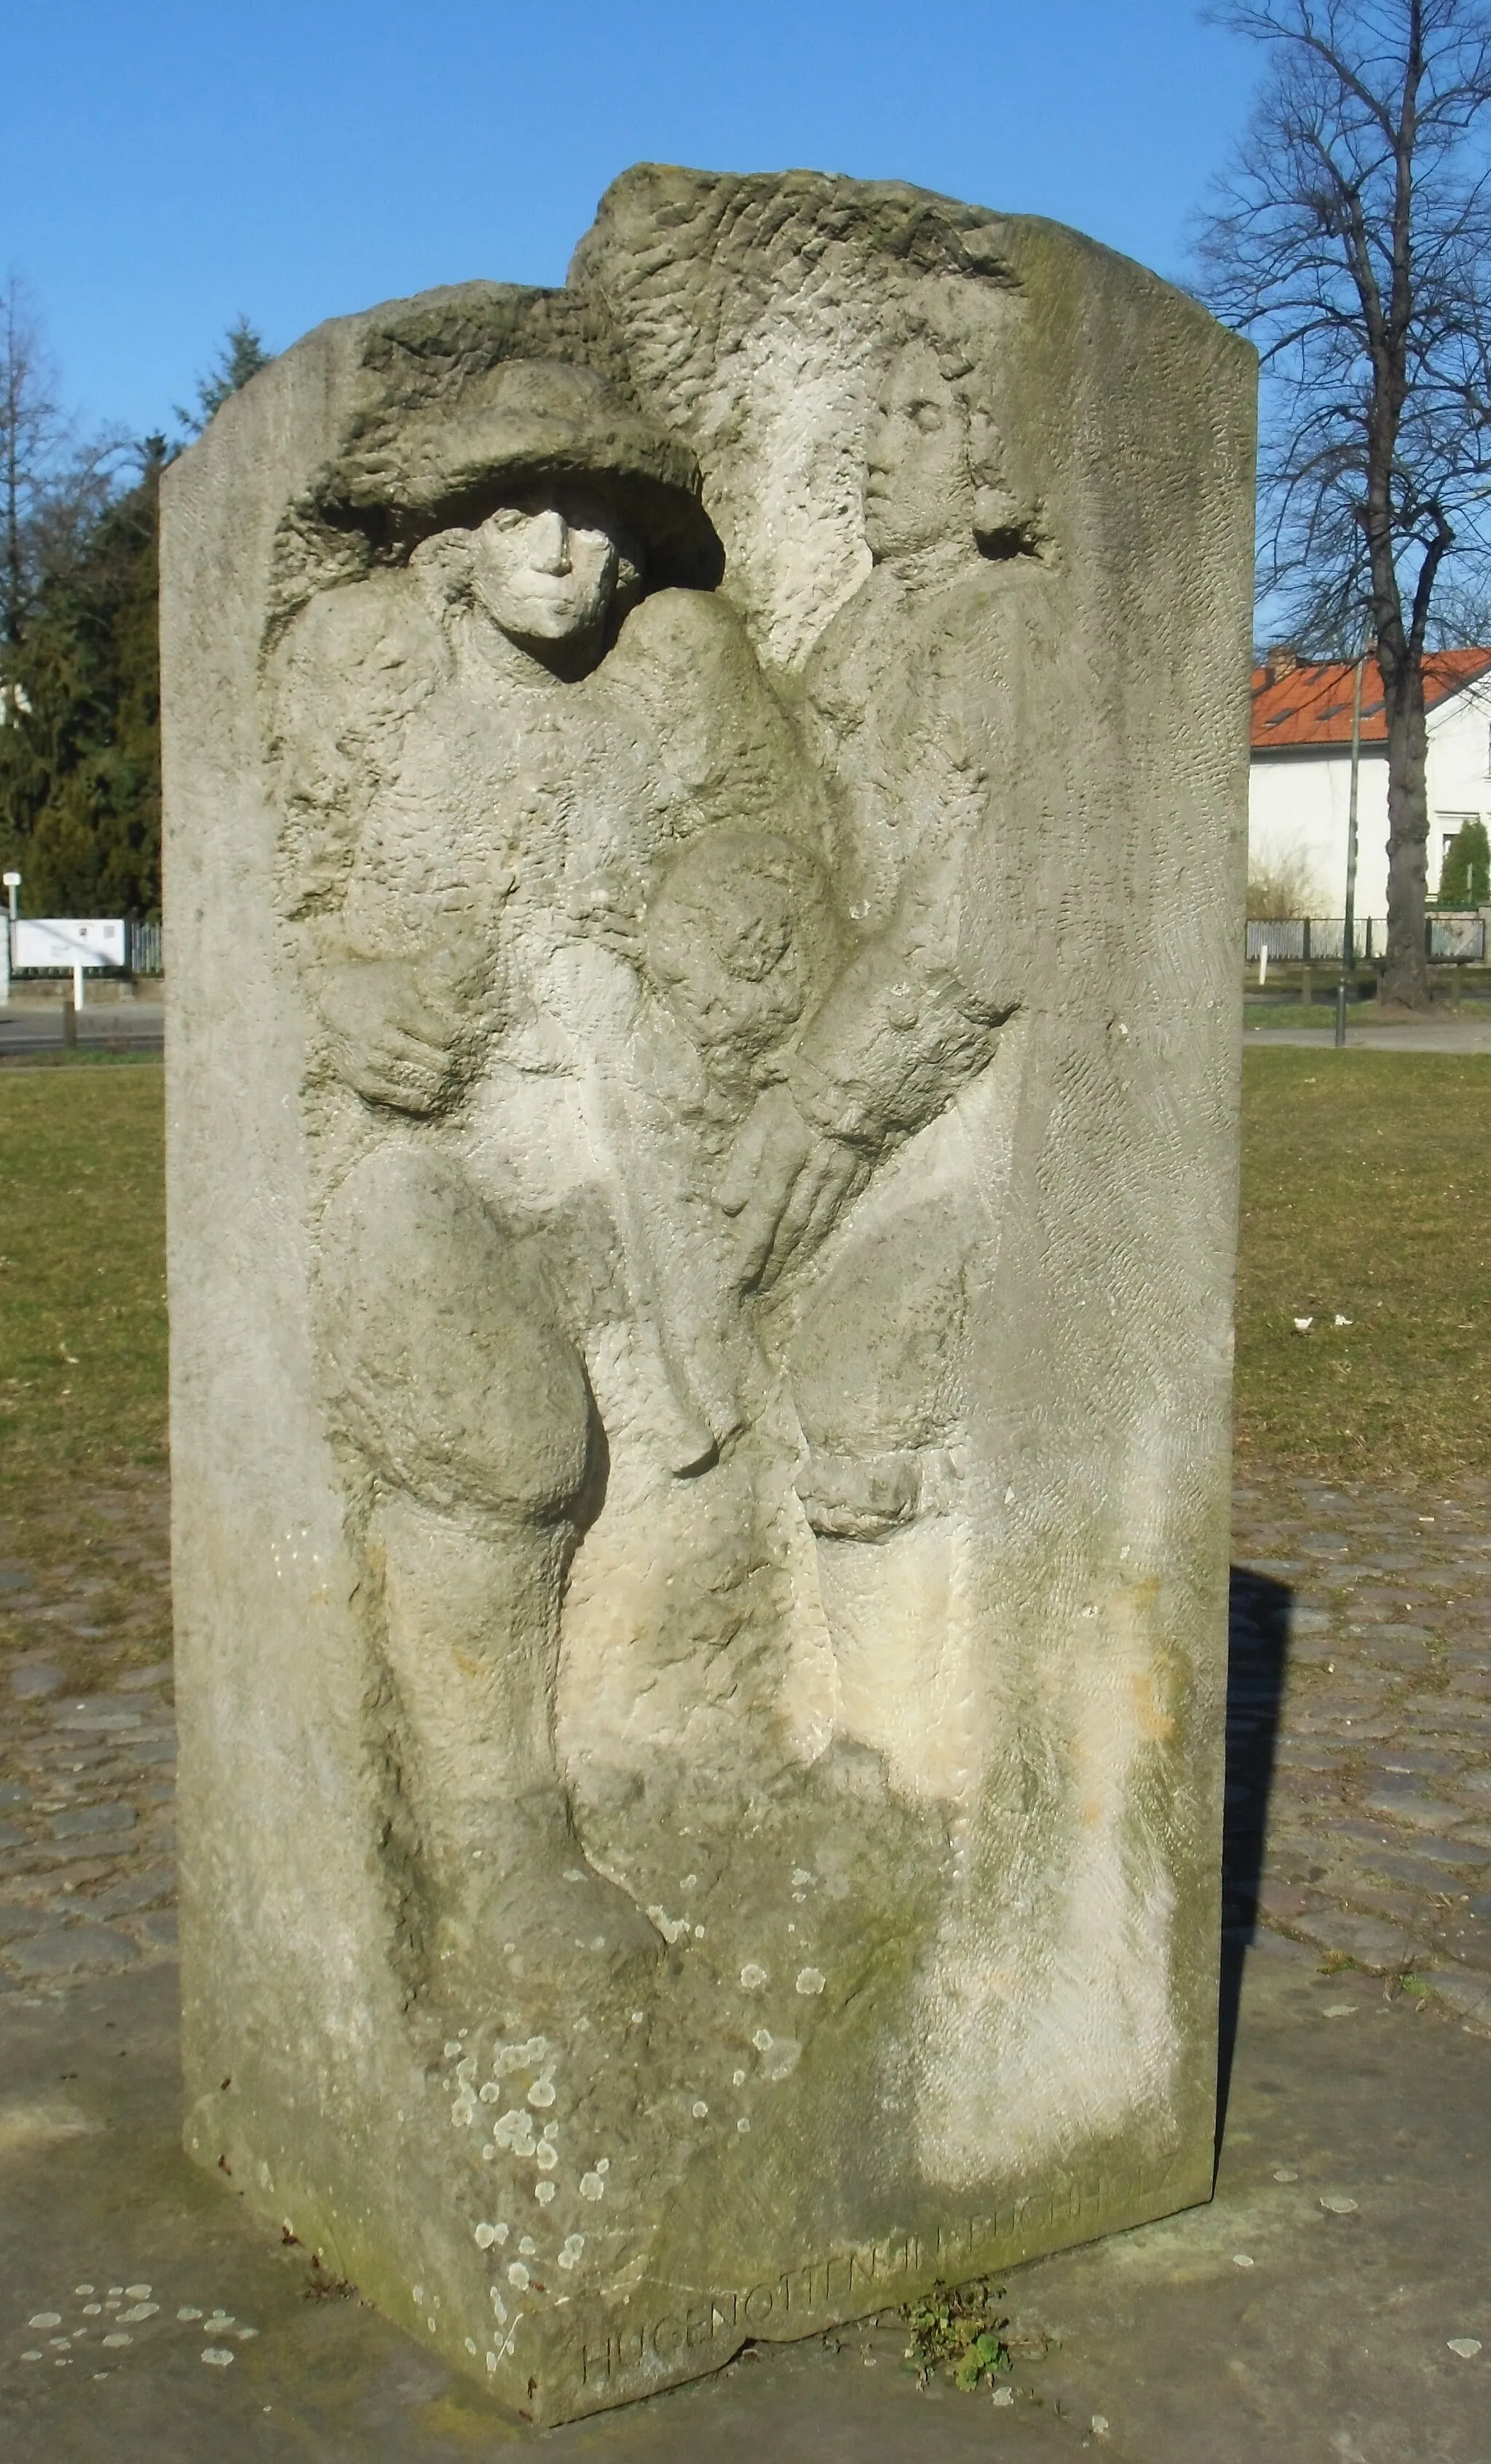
1446 1034
1359 1713
1313 2311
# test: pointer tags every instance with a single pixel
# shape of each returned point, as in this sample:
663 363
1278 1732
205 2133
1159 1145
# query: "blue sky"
168 165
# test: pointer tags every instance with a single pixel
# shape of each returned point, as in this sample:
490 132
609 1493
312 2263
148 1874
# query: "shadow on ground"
1258 1661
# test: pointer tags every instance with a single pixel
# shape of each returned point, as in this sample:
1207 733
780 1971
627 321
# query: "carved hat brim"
512 428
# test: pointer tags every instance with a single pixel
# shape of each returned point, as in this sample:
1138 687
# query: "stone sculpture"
705 821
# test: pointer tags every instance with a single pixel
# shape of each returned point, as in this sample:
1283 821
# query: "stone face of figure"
545 569
917 483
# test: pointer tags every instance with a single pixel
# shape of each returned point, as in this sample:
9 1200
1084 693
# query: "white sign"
68 941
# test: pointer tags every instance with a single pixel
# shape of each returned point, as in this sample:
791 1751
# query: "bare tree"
32 431
1353 240
53 484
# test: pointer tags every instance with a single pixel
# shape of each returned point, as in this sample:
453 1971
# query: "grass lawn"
82 1275
1367 1193
1321 1013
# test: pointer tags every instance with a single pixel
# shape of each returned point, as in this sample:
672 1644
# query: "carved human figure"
915 1013
460 1389
911 1020
539 905
462 1385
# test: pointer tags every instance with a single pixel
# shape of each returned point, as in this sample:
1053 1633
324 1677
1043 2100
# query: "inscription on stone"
851 2281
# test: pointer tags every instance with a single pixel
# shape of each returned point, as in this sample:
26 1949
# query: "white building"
1301 770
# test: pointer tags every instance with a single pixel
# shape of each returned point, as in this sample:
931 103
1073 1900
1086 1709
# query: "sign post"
71 943
11 884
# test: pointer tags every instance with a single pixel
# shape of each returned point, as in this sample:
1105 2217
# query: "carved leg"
465 1396
472 1630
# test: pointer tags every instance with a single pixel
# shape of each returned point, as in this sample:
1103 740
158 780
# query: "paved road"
113 1026
1468 1034
141 1026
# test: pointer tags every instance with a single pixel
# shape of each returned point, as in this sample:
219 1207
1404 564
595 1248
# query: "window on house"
1448 827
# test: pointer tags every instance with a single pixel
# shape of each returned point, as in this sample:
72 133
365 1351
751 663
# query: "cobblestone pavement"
1359 1786
87 1739
1359 1763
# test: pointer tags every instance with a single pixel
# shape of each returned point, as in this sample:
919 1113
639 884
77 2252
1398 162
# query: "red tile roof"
1310 703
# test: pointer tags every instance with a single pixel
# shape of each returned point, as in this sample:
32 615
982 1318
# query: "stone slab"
74 1947
1337 2336
700 1348
1407 1805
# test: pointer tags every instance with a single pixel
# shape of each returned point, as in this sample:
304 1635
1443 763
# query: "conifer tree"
80 680
80 752
1465 875
242 356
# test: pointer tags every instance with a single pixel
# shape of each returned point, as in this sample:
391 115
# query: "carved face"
919 488
545 568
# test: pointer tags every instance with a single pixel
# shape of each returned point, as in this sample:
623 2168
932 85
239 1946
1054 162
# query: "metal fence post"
1347 927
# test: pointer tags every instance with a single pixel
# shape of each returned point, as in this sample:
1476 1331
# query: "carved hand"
395 1039
787 1183
600 915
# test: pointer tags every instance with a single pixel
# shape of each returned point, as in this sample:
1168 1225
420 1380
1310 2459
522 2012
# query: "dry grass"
1367 1194
82 1303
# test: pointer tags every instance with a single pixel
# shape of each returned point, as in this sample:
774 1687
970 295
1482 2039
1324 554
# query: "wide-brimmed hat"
513 427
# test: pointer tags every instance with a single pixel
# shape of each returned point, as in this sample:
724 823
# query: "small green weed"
1335 1963
958 2327
1416 1986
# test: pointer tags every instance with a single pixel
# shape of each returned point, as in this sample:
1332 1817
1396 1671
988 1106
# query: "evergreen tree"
79 750
242 356
80 677
1465 877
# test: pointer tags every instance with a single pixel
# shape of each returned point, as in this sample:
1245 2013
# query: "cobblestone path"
1359 1765
87 1739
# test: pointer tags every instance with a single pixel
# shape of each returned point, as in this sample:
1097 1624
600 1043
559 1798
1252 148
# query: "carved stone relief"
756 1404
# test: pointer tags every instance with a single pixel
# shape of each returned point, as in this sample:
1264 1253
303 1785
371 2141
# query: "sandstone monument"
705 830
